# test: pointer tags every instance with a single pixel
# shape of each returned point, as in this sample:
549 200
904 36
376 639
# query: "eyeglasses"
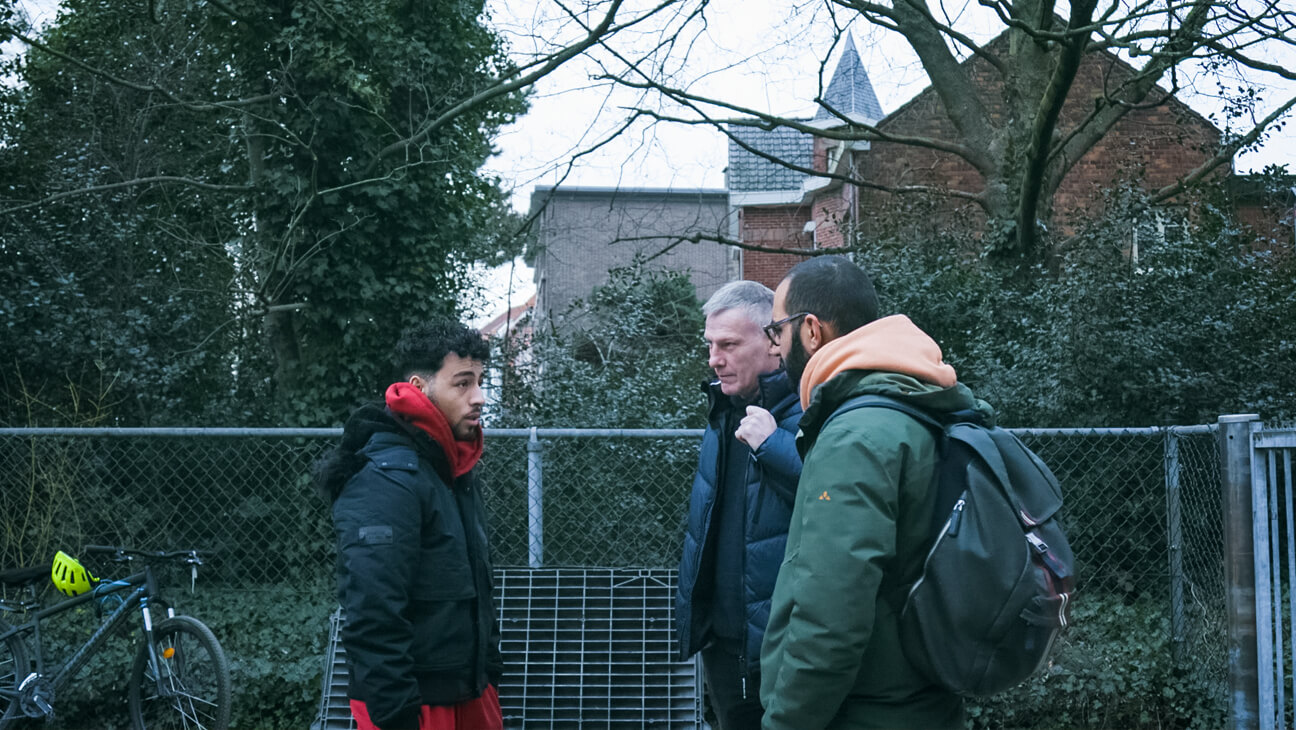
774 330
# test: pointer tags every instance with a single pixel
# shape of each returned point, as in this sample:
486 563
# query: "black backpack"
996 586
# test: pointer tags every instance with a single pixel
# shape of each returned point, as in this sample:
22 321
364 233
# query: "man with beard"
740 503
414 573
861 522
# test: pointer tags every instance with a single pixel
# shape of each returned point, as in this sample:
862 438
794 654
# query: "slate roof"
850 92
749 172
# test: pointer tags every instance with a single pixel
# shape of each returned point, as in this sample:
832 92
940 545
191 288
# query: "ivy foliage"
230 210
1195 326
631 356
1115 668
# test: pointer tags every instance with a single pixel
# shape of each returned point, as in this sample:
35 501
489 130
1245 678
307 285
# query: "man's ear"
818 333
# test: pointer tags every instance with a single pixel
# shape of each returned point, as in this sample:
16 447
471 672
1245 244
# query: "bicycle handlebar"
125 554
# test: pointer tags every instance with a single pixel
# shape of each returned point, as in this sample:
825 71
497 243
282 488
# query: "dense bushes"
630 357
1114 671
1196 326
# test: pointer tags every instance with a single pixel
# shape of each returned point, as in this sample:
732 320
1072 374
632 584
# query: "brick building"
777 207
788 189
1267 206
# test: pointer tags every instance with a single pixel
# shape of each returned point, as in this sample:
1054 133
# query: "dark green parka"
832 657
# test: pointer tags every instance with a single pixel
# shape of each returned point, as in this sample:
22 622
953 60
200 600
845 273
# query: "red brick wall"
1272 226
819 160
1154 146
772 227
831 216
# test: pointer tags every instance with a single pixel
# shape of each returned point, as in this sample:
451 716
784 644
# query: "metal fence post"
535 501
1175 534
1240 569
1272 701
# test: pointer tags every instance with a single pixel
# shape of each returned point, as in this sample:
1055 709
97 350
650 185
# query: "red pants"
482 713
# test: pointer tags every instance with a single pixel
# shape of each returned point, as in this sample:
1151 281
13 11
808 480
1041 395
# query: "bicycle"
179 678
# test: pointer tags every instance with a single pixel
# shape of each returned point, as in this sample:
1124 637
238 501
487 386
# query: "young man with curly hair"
414 573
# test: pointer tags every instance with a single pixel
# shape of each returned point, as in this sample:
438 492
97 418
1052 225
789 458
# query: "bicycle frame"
143 590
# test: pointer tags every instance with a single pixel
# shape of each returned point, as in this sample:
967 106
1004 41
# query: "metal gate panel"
587 647
1274 533
334 712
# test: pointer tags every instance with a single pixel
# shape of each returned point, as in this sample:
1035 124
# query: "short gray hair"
750 297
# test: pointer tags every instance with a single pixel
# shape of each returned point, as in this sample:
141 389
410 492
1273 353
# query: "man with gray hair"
741 502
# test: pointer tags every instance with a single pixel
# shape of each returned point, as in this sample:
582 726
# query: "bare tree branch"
767 121
1224 155
1136 89
1046 119
950 81
553 61
961 38
850 179
1255 63
725 240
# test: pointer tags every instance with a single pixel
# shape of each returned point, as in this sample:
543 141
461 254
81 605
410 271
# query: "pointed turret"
850 93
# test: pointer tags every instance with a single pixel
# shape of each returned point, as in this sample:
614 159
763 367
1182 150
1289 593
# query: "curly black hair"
422 348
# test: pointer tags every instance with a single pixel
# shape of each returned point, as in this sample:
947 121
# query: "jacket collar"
771 390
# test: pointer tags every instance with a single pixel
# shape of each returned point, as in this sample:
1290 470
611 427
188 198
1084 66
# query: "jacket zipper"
956 518
482 634
742 601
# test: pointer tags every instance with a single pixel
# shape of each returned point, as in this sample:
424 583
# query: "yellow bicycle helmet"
69 577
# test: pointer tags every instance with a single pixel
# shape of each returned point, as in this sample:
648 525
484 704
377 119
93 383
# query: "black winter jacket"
769 482
413 570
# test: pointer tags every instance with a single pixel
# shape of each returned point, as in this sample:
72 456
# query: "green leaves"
630 358
282 236
1177 336
1113 669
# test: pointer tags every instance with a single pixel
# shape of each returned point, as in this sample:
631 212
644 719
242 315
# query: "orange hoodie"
892 344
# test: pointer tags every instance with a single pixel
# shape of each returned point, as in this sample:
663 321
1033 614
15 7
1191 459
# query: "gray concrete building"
583 232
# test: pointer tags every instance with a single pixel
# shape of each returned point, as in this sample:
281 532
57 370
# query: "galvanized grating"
335 711
585 647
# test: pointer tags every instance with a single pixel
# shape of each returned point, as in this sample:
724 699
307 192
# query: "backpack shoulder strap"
985 446
882 401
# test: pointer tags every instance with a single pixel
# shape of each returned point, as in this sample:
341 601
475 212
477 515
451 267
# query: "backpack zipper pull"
1055 566
956 517
1040 546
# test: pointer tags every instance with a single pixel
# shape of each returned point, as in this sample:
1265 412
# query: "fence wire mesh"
1143 507
1144 515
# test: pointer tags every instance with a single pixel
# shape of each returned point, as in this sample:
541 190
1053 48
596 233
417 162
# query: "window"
1161 227
834 156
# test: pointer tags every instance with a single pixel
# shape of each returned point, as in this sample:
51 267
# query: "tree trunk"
281 331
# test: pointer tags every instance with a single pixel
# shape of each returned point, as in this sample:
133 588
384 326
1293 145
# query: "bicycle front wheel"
190 686
13 670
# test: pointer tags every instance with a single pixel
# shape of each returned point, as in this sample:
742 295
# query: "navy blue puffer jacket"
770 481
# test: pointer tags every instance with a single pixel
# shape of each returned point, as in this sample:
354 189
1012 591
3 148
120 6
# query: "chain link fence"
1143 506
